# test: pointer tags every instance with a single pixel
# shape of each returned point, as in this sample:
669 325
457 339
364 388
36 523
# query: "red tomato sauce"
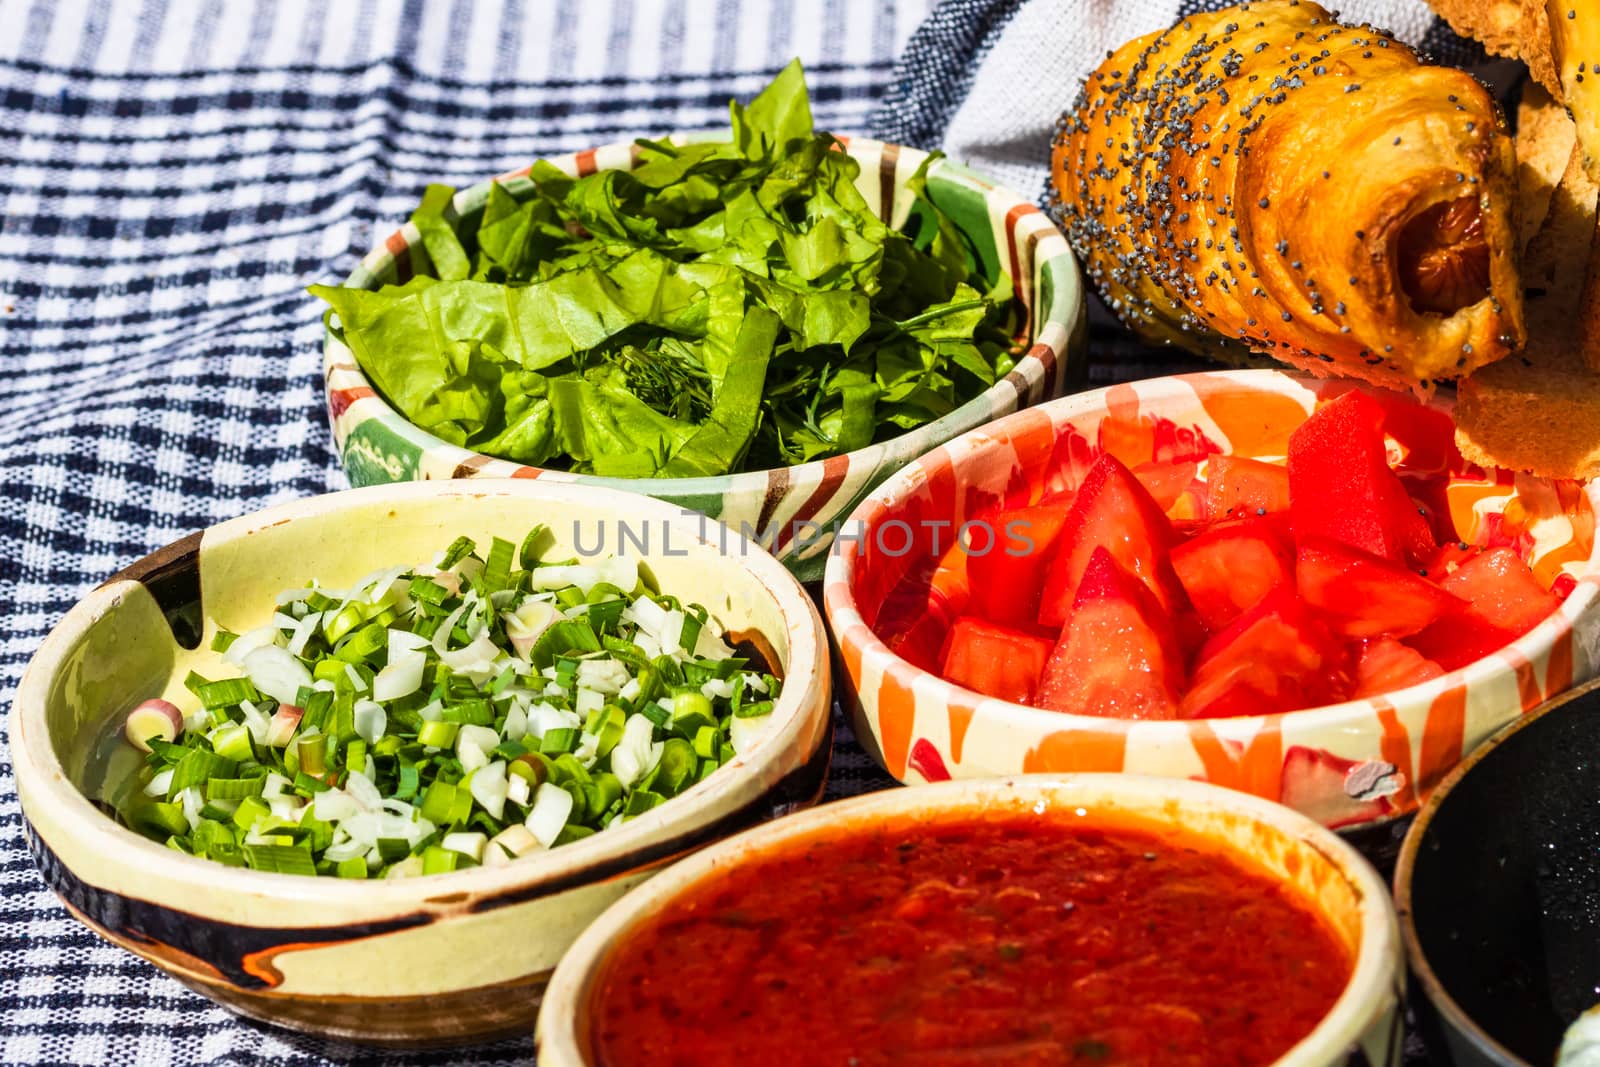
1004 940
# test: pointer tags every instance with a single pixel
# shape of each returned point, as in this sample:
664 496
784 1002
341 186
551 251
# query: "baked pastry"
1264 179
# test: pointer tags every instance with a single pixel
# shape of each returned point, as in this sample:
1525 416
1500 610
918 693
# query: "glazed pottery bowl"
423 960
793 511
1498 887
1315 866
1344 765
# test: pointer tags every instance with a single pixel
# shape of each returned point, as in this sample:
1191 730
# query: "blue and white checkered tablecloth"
173 173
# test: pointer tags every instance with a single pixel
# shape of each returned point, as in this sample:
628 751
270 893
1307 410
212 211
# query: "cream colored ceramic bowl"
413 961
1315 864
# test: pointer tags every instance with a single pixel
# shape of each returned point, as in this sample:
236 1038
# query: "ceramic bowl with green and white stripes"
793 511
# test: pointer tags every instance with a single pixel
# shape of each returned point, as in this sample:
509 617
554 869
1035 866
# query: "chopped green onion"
756 710
312 751
232 741
559 740
459 549
470 712
393 849
677 767
354 867
436 860
640 801
428 591
198 765
497 566
408 782
341 623
705 742
533 546
226 693
283 859
690 712
439 802
162 819
233 788
491 763
249 812
570 833
305 784
438 734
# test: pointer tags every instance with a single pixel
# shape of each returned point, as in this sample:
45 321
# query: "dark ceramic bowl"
1498 888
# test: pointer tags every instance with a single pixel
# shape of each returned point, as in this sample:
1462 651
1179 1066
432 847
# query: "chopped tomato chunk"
1341 486
1112 511
1238 487
997 661
1503 589
1363 595
1276 657
1386 665
1117 656
1230 568
1006 571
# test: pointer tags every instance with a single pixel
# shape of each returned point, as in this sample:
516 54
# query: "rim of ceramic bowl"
1374 980
851 631
39 771
1037 375
1405 867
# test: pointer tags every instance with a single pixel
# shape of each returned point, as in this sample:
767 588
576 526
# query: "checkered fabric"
173 173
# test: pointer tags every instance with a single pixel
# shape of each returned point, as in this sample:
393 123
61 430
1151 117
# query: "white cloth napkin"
1028 70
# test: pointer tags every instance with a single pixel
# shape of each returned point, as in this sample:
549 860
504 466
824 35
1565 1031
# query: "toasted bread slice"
1516 29
1545 136
1540 411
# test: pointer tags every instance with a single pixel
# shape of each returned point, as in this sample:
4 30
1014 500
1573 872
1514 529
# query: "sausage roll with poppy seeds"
1264 179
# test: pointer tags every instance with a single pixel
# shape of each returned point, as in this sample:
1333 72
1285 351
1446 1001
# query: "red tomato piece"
1503 590
1117 656
1275 657
1386 665
1461 637
919 643
1111 511
1166 482
1450 555
1503 601
1230 568
1363 595
1007 565
996 661
1341 487
1237 486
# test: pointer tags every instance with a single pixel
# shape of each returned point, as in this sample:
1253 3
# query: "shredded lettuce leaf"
725 306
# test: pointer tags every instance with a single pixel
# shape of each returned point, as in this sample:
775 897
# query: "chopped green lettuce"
724 306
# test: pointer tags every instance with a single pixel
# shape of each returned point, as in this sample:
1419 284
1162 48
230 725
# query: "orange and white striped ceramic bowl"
1345 765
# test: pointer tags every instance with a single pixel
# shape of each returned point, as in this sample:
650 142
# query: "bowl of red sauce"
1104 919
1292 587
